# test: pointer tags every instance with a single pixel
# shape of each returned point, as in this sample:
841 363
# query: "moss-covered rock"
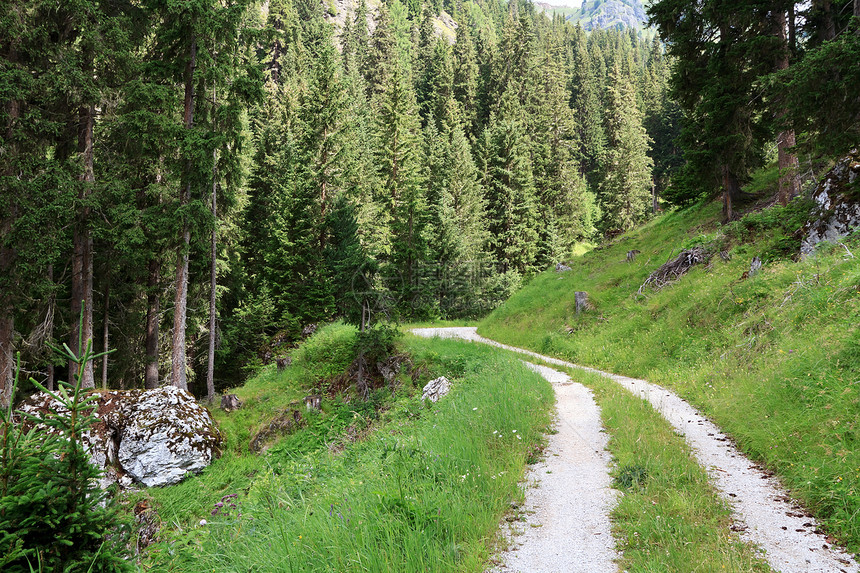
838 198
155 437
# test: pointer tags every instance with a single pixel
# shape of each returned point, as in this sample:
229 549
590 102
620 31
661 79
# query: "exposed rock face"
838 198
617 14
166 435
436 389
152 436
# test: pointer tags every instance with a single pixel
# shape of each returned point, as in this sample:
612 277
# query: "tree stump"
230 402
581 300
313 402
755 266
631 255
283 362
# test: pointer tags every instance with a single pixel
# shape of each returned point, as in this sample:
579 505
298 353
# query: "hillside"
771 358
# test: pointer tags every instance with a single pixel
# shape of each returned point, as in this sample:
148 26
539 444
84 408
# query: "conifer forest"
191 184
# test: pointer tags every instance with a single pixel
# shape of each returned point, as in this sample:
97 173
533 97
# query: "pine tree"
586 103
510 192
381 56
456 221
626 187
466 77
401 194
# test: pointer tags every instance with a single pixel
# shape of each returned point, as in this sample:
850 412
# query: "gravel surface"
763 511
565 520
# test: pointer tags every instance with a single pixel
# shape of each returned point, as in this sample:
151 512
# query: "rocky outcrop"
838 204
615 14
436 389
285 423
154 437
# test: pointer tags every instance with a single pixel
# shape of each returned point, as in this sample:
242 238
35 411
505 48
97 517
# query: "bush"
53 515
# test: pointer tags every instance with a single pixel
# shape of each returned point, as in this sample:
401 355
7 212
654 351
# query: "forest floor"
763 513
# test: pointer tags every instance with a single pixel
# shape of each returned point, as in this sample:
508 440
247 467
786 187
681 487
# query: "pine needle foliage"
53 514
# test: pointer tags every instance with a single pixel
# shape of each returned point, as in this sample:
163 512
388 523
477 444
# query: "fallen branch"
673 269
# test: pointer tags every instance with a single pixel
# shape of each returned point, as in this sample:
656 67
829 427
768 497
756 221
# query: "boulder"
838 197
561 268
154 437
435 389
165 436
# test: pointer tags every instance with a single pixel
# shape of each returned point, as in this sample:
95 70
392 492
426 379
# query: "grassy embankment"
384 485
773 359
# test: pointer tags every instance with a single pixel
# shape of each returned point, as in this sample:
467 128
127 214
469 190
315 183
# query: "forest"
192 184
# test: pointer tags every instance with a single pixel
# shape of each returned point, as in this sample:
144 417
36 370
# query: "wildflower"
475 408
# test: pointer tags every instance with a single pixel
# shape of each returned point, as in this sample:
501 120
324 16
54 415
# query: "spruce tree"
510 192
466 77
401 193
626 187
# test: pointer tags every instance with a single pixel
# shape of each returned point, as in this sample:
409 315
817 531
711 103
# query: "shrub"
53 515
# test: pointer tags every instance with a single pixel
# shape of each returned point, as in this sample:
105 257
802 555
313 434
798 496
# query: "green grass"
774 359
669 518
391 486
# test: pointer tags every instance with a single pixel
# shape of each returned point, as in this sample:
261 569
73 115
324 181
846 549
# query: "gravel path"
762 509
569 495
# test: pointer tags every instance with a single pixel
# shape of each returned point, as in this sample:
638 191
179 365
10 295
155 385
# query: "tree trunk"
210 361
828 25
152 321
180 308
7 307
785 140
792 29
49 379
105 334
7 368
731 191
654 203
82 258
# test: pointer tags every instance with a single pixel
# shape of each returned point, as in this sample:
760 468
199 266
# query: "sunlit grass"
773 359
422 490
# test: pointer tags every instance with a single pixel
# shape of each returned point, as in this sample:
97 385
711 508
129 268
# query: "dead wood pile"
674 269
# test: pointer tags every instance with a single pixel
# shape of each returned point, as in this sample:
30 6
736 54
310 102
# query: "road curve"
762 509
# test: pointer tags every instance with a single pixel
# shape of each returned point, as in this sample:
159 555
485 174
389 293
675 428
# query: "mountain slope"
773 359
605 14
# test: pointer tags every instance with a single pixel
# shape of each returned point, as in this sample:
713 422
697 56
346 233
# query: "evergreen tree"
510 192
466 77
380 57
586 103
401 193
626 187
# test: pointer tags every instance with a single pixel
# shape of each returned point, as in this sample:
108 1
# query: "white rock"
166 435
152 436
436 389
